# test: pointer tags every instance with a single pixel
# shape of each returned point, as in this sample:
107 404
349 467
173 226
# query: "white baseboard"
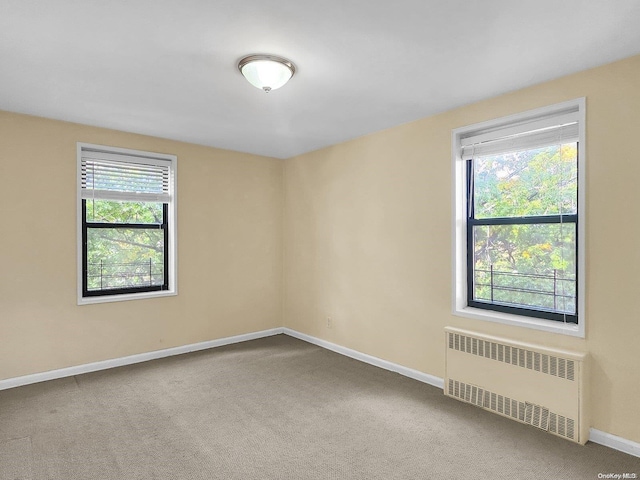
615 442
596 436
131 359
363 357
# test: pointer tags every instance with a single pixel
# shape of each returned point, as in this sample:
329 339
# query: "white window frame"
171 221
459 224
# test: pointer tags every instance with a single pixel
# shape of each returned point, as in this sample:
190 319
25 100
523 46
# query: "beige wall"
229 251
368 240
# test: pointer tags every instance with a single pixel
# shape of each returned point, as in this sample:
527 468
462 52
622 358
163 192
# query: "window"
126 209
518 226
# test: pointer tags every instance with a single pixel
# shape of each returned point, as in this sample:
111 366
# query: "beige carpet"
274 408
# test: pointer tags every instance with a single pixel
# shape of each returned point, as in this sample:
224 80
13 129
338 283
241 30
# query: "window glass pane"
108 211
541 181
532 266
124 258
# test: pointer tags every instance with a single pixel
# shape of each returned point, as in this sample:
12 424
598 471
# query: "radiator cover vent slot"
531 384
547 364
537 416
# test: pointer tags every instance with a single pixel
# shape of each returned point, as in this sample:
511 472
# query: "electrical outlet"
329 322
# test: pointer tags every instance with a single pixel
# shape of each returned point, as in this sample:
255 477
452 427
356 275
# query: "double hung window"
518 213
127 224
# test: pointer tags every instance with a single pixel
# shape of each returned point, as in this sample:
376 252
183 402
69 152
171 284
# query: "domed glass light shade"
266 72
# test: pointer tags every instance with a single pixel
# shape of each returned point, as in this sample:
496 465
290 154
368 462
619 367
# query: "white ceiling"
168 67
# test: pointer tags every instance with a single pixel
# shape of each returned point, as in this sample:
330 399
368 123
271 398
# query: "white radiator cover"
532 384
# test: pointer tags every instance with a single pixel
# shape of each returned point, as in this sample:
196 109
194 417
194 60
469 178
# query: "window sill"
125 297
521 321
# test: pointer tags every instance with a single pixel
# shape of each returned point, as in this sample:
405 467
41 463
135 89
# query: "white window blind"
526 136
109 176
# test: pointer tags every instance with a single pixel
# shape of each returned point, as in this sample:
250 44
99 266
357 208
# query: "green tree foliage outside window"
531 264
120 256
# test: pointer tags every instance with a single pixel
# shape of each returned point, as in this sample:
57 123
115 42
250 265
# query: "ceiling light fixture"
267 72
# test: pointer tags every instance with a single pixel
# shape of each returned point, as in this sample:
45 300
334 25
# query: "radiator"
531 384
